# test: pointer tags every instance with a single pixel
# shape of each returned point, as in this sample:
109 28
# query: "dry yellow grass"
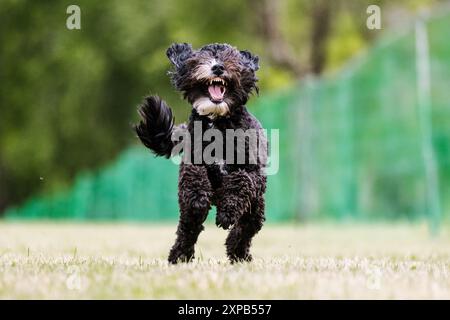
66 260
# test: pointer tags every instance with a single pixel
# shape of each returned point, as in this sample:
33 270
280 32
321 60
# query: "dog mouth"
216 89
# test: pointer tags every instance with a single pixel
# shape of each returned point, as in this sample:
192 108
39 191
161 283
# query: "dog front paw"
224 221
226 214
230 209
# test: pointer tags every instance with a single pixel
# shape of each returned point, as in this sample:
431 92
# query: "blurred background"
364 115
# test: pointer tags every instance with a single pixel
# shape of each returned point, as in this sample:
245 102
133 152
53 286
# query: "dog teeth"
217 81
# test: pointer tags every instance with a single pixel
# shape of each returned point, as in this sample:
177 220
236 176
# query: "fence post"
423 76
308 199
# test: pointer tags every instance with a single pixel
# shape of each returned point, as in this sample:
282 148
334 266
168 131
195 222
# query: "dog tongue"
216 92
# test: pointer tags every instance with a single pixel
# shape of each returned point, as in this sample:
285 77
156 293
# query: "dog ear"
178 53
250 60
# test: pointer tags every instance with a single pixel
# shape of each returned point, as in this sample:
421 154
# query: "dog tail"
156 126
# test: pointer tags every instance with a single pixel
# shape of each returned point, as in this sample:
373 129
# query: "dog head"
215 78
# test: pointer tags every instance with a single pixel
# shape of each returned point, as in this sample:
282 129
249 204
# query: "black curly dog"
217 81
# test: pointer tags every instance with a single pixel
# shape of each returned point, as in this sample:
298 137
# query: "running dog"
217 81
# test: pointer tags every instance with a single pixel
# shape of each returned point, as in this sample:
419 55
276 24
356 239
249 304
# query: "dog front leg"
234 197
239 239
194 197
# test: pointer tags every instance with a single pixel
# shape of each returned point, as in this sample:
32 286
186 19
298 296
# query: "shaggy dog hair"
217 81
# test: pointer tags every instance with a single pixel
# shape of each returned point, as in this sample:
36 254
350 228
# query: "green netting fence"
371 142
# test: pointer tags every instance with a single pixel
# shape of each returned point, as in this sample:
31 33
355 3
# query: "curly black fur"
237 190
156 126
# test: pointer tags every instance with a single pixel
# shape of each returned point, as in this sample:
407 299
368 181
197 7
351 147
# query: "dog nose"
217 69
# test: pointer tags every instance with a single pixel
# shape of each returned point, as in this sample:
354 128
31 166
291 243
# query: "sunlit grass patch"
101 261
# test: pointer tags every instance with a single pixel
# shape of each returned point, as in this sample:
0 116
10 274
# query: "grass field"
101 261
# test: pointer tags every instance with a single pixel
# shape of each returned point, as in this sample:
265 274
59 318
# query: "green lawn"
48 260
